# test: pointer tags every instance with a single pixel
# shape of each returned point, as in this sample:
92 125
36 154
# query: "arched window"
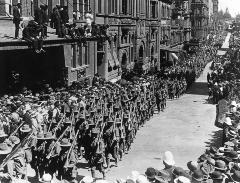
124 59
141 51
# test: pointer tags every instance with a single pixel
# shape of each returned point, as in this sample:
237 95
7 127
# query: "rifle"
16 130
21 145
61 136
66 164
59 123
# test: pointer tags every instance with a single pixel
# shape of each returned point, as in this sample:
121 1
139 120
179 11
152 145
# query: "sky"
232 5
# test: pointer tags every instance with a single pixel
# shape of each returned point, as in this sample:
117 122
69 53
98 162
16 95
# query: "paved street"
186 128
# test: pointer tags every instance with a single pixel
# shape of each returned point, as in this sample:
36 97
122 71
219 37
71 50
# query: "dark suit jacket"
16 15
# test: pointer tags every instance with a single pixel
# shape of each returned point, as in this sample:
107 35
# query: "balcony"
200 15
177 23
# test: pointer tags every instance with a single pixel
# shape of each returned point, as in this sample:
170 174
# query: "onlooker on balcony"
17 19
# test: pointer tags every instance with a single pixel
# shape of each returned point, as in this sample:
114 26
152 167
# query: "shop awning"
115 58
174 56
174 50
111 62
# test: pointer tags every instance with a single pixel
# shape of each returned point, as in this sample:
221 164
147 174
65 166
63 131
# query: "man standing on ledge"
17 19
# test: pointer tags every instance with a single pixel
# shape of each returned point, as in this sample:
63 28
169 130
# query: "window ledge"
79 68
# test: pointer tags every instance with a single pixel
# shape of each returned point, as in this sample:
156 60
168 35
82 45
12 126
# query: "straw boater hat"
87 179
234 103
5 149
65 143
168 158
46 178
46 136
182 179
25 128
228 121
14 140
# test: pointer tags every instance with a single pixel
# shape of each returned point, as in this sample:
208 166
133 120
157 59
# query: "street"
186 128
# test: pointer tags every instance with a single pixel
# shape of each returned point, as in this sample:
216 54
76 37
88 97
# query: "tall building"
200 19
215 15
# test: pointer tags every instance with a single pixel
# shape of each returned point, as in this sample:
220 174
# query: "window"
153 9
84 7
86 55
124 7
99 6
73 60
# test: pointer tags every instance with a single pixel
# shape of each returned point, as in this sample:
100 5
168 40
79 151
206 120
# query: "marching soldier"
110 140
97 153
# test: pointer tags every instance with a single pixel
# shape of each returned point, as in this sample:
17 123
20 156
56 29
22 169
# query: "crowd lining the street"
44 135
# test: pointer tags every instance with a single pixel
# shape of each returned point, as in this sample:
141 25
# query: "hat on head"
25 128
220 165
212 151
228 121
182 179
164 174
211 161
134 175
168 158
150 173
87 179
46 178
65 143
234 103
142 179
228 143
192 165
197 175
236 176
232 133
216 175
14 140
5 149
178 171
232 154
2 133
161 179
95 131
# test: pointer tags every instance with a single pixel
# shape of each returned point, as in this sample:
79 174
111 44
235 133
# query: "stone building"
200 19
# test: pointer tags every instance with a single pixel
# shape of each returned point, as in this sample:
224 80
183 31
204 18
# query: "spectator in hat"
17 18
150 174
168 162
45 20
56 20
217 177
197 176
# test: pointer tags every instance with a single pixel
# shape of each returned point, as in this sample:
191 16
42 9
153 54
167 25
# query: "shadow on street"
198 88
216 139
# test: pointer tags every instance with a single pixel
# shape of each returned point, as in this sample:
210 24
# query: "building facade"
200 19
143 35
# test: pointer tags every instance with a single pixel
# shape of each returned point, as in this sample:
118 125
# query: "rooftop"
7 40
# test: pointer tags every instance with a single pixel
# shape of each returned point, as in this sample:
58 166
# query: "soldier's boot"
104 175
108 163
120 155
116 161
93 173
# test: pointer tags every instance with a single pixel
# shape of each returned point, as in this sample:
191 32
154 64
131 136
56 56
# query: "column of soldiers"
52 130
